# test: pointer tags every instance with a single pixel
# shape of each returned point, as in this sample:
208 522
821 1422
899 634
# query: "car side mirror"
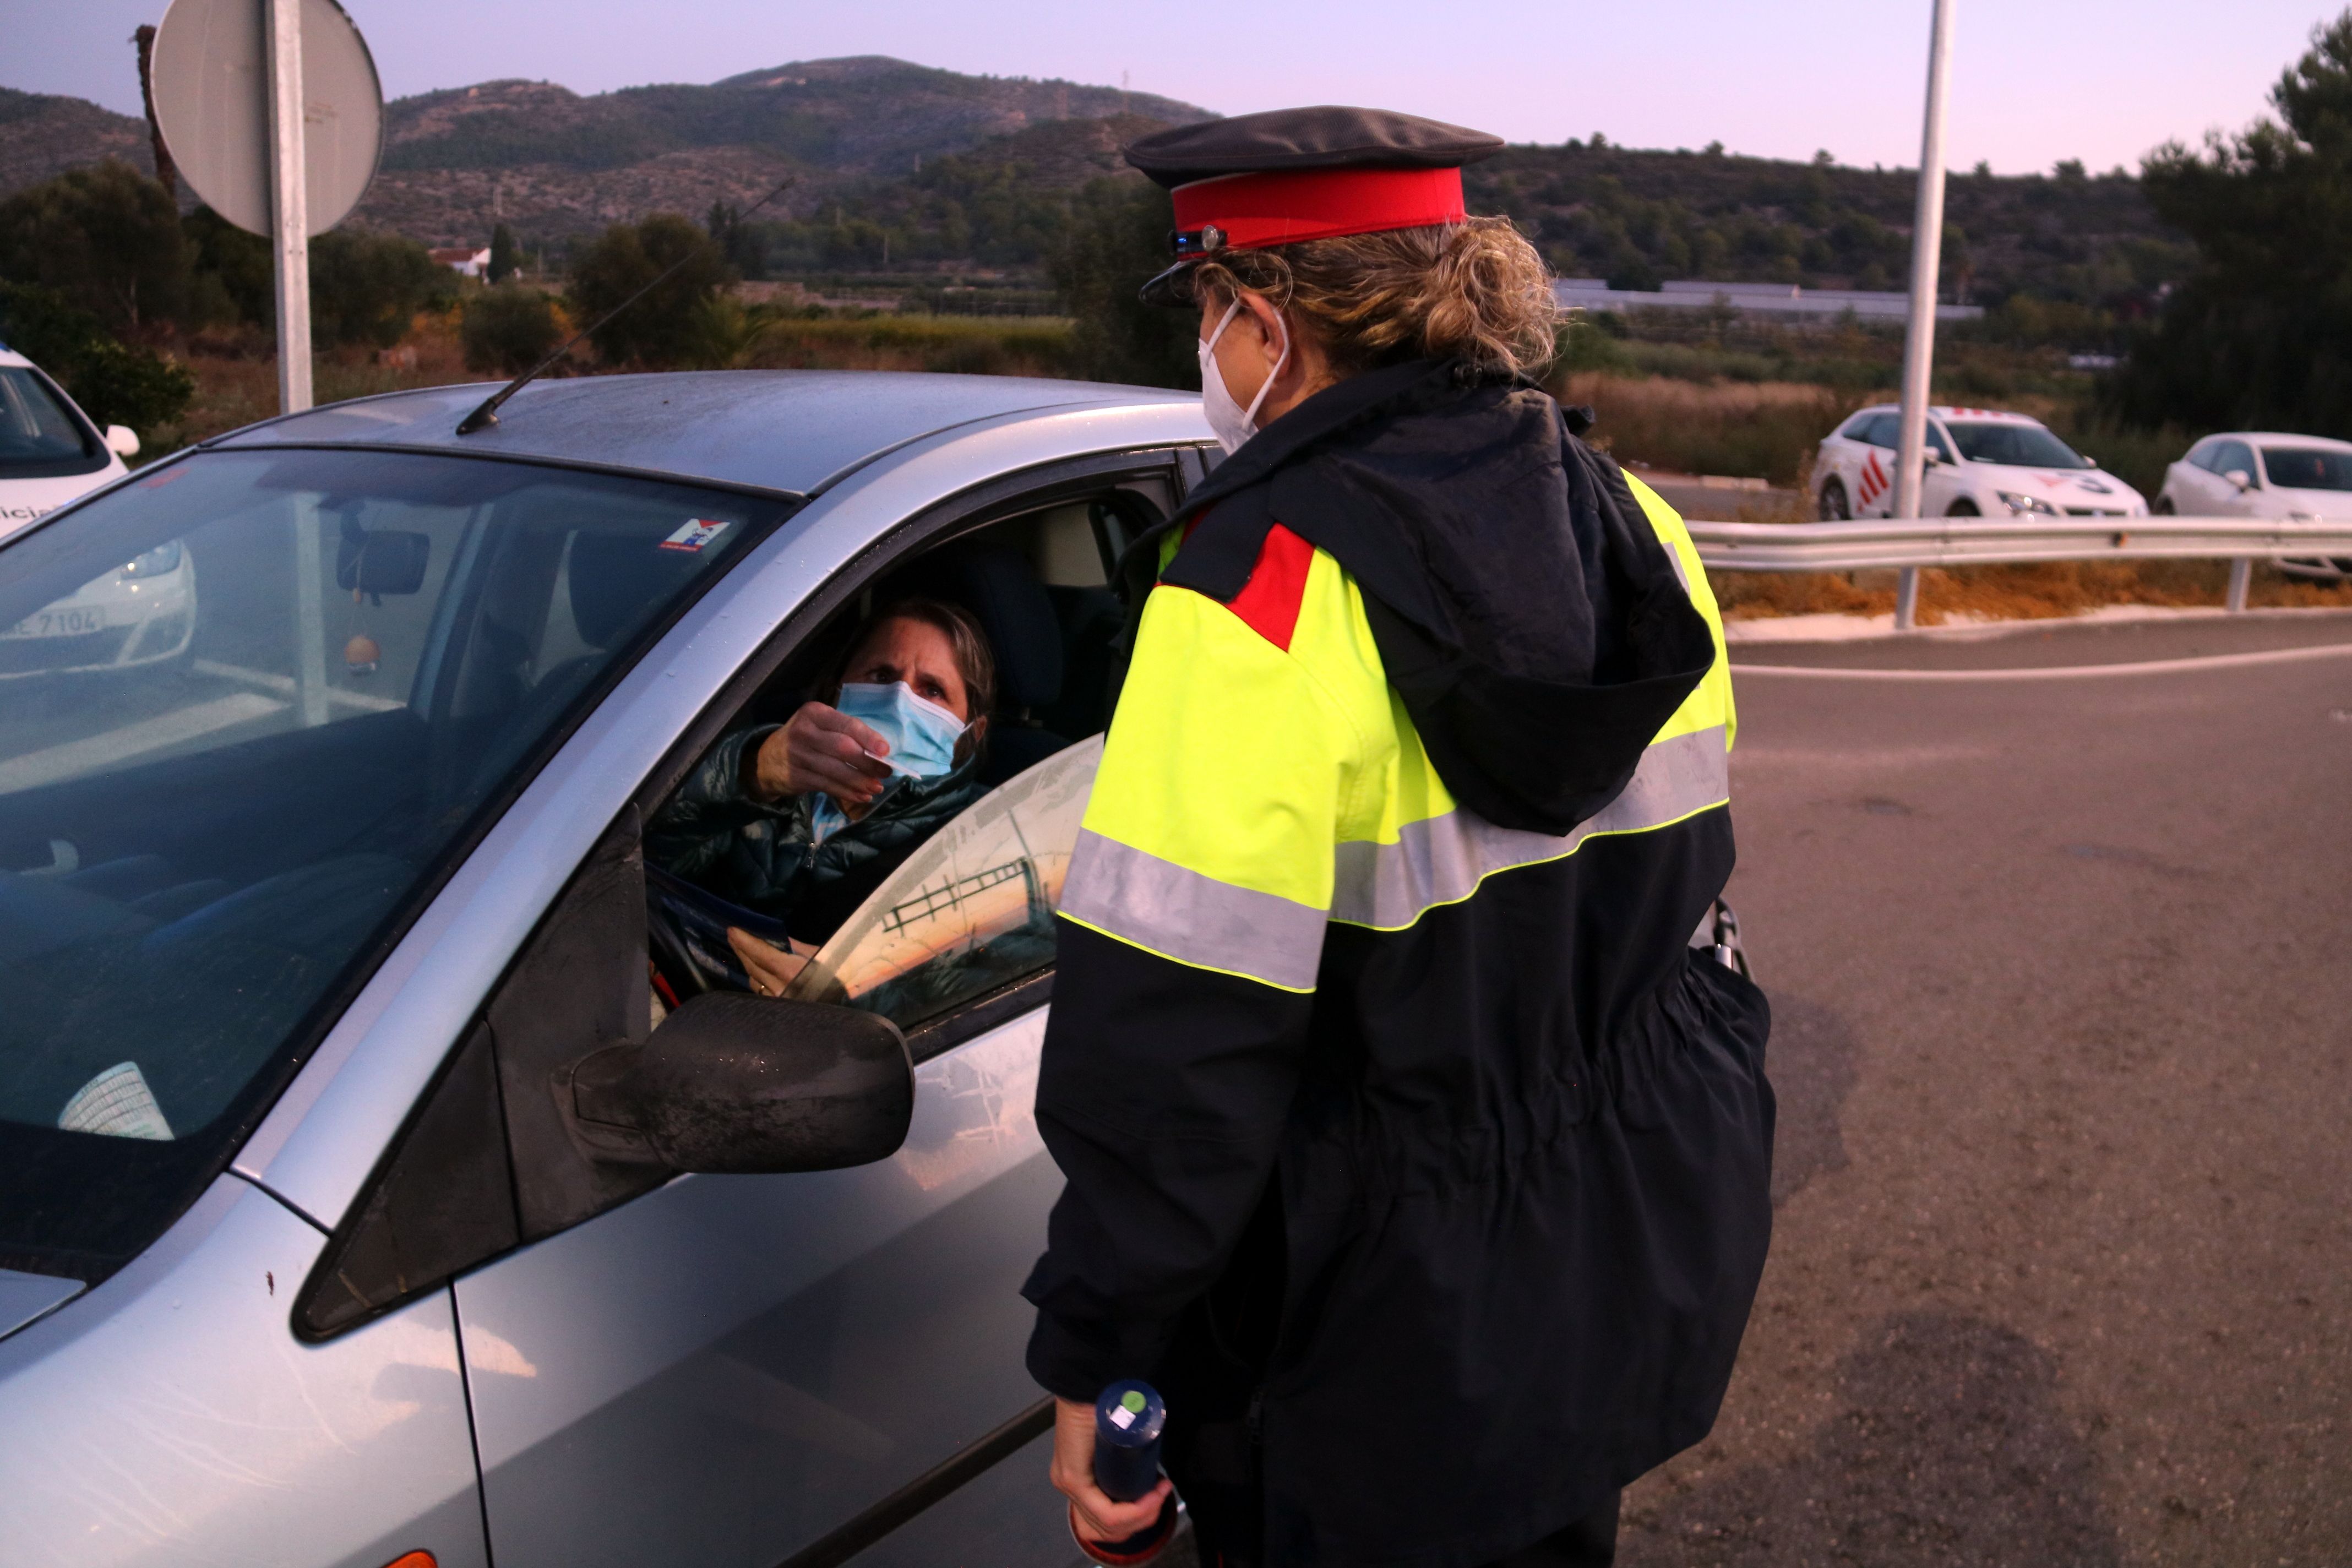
746 1084
2240 478
122 440
1932 455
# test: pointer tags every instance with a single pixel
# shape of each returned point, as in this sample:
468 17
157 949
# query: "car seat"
1001 589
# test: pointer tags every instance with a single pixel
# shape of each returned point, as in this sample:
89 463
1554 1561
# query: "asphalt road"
2061 1270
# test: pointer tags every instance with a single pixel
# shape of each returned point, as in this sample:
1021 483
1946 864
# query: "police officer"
1410 1151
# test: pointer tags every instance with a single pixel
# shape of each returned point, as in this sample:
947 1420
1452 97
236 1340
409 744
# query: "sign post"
272 111
1919 338
289 203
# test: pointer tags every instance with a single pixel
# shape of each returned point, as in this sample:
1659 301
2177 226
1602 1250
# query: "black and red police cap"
1294 174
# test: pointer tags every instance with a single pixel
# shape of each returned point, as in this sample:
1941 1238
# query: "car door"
2231 499
748 1370
1873 472
1943 481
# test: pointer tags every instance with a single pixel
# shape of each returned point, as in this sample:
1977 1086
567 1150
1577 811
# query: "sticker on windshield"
697 533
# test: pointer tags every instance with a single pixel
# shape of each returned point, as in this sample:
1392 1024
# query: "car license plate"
59 621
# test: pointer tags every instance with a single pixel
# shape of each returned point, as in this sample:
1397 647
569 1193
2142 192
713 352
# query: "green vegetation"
366 289
2260 334
105 236
1118 239
508 329
115 382
506 256
665 328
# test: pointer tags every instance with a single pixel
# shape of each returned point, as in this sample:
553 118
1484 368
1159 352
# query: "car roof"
1948 410
2275 436
768 430
10 357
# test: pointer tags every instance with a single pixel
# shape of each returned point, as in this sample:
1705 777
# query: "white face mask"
1232 423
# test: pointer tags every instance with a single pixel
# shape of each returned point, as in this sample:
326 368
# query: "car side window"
931 904
2235 457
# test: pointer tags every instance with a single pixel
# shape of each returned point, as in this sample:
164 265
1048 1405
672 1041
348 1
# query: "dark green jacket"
762 855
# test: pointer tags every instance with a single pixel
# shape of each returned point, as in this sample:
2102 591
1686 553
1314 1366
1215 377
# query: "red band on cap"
1289 207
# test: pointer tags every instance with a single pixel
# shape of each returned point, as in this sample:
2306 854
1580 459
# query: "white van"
50 451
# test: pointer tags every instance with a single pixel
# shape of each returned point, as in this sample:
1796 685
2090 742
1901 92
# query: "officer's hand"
1099 1519
821 748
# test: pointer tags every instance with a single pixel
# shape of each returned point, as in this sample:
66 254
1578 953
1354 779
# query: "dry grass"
237 374
1752 429
2017 592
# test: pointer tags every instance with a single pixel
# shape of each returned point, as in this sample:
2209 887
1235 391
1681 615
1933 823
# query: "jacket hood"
1537 629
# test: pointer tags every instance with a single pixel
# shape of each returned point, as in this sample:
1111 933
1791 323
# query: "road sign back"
211 81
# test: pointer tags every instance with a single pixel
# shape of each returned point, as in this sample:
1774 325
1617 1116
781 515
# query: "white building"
463 259
1785 301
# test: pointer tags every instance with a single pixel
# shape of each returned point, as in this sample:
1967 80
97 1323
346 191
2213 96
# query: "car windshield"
2018 446
2308 468
252 708
39 437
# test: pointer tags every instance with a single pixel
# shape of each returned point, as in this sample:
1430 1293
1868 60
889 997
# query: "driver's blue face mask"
922 736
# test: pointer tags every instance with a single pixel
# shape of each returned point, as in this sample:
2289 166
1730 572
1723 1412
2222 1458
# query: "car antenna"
487 414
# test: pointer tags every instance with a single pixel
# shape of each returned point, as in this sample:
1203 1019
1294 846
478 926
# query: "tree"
115 383
745 248
232 272
107 238
662 329
506 256
508 329
367 288
2260 334
1118 238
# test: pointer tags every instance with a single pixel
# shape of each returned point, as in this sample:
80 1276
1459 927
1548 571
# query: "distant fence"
1908 546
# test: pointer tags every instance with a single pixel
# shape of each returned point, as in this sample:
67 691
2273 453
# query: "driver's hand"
1073 1472
770 966
821 748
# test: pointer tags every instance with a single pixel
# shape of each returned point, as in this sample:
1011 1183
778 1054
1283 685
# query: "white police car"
1981 462
141 612
50 451
2265 473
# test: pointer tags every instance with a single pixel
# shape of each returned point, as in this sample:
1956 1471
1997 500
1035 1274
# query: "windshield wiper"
487 414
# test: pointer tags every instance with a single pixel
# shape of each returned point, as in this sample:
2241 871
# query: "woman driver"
800 821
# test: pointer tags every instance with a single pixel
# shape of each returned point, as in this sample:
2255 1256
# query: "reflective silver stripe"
1441 860
1192 919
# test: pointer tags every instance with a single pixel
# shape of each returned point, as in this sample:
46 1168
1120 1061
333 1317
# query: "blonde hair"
1475 292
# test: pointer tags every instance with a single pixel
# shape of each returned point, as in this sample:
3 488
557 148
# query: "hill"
1639 217
904 166
43 135
557 165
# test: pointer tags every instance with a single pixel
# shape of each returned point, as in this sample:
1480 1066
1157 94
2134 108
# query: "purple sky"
2034 80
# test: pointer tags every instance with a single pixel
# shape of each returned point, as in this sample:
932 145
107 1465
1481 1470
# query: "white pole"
1919 340
289 201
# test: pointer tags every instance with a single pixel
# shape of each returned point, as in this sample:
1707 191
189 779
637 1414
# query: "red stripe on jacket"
1269 602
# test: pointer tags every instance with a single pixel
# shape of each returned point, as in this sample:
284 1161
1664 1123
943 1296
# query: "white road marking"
52 763
2055 672
285 683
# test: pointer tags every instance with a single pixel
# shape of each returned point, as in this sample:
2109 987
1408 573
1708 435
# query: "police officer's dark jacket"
1408 1145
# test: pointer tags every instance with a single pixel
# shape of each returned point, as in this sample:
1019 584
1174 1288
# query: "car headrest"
615 578
1000 587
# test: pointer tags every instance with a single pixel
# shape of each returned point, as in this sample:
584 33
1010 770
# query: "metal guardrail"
1909 545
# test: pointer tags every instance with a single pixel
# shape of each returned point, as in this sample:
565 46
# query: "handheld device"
1129 1418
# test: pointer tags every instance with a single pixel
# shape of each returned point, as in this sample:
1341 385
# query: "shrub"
508 329
666 326
1117 241
105 236
367 288
115 383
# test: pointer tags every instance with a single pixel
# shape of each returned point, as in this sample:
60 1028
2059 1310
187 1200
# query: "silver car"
377 1184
